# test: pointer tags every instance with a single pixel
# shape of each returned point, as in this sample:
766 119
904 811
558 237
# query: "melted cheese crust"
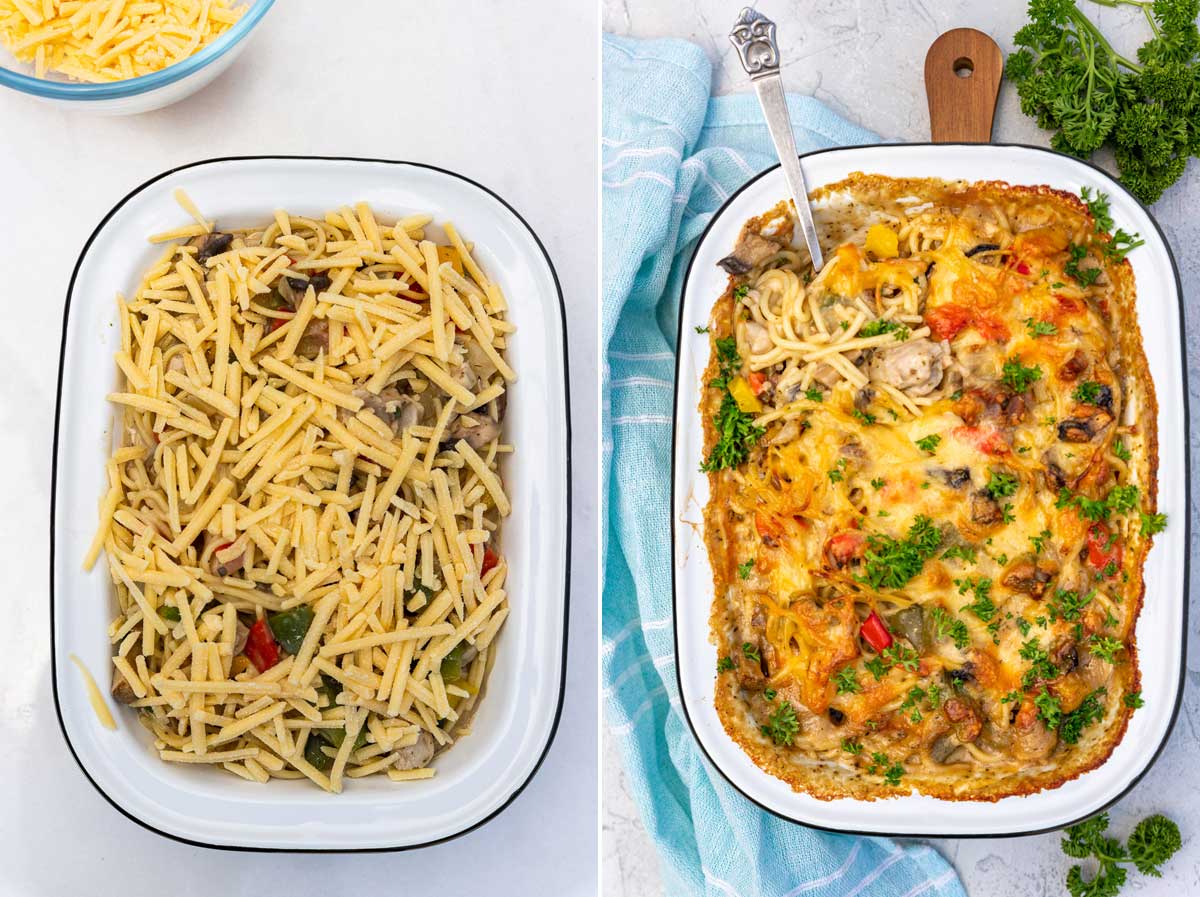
1011 626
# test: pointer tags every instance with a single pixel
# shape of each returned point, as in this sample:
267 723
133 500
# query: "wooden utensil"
963 69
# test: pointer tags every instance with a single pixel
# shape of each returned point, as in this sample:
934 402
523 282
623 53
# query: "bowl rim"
131 87
1181 676
566 604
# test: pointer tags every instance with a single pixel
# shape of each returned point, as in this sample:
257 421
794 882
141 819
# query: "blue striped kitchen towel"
671 155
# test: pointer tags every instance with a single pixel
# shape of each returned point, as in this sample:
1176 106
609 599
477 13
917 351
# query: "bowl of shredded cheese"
119 57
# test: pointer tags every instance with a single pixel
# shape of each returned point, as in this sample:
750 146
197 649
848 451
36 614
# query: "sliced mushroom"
1077 429
417 755
914 367
1030 576
208 245
985 510
222 563
955 478
943 748
981 247
751 250
121 690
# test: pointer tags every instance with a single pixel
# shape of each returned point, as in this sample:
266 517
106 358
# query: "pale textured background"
445 83
865 60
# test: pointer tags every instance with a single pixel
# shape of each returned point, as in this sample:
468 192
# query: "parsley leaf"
1017 377
782 725
929 443
1040 328
890 563
847 681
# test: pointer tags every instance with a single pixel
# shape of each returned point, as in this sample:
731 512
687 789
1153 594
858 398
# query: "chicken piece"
914 367
397 410
1031 739
418 755
477 429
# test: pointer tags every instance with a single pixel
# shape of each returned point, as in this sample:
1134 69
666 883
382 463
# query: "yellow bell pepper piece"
744 396
883 242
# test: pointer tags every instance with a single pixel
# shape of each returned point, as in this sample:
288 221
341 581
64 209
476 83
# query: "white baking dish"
1162 626
519 712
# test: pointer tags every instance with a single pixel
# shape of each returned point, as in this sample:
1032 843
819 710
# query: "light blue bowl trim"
115 90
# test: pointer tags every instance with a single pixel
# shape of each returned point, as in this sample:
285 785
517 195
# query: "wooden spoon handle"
963 69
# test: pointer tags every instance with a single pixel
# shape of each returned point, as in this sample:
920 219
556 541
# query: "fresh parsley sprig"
1151 844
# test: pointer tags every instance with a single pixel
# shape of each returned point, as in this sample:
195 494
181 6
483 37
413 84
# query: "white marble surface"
448 84
865 60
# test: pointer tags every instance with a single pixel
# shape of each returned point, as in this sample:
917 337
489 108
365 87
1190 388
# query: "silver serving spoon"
753 36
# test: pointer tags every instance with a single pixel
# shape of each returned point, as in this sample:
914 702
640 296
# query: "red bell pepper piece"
875 633
1102 547
261 649
756 379
490 560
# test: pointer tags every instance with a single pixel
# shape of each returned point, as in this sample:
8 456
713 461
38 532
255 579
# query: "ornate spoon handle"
753 36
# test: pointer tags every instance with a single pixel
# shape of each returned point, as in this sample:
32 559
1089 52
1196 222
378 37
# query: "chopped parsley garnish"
769 694
814 395
1152 523
1039 541
877 667
982 607
724 664
782 724
1105 647
947 626
745 568
736 432
1049 709
875 328
741 292
1119 499
852 746
967 553
1001 484
837 474
846 681
750 652
1041 667
890 563
1040 328
1133 700
898 655
170 614
1087 392
1085 277
866 417
1006 513
1024 625
702 330
1017 377
1067 605
1119 449
893 774
878 483
929 443
1091 710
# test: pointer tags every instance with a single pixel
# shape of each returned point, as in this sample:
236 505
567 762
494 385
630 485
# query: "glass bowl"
145 92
